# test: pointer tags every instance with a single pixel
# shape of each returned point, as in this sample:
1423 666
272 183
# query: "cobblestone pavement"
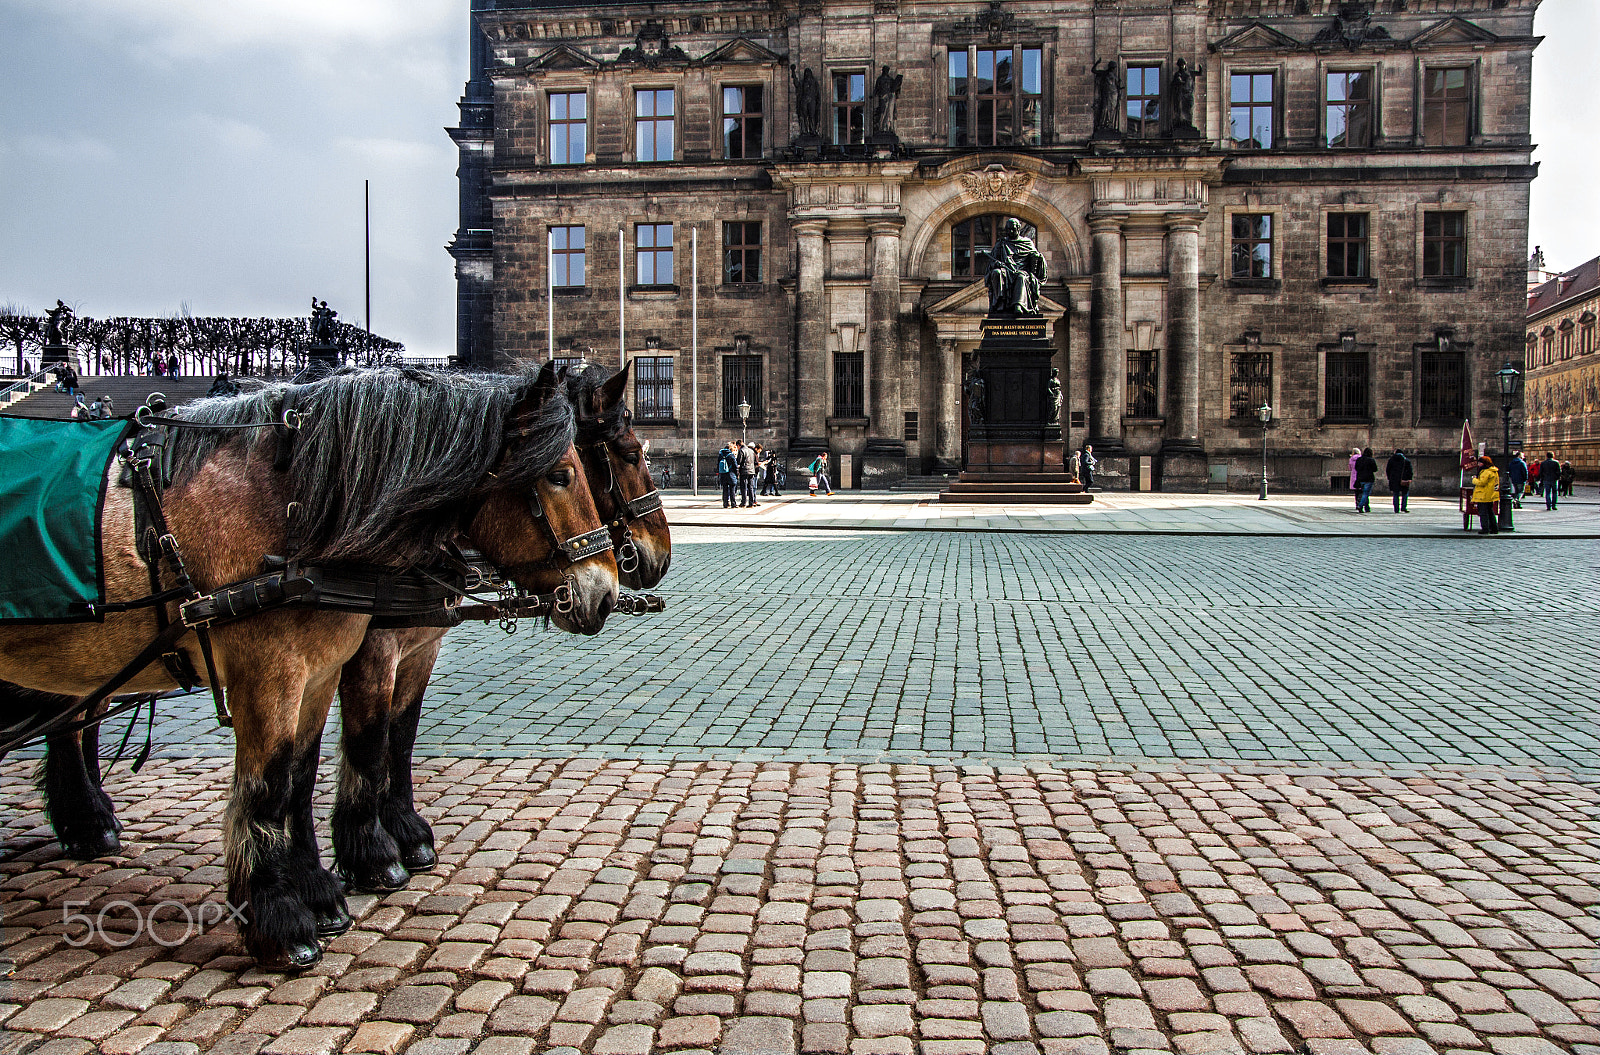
906 646
765 908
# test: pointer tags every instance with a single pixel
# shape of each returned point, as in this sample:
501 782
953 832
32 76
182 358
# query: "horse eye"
559 478
632 457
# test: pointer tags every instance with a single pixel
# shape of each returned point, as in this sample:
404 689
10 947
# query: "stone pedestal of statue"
51 354
324 353
1014 450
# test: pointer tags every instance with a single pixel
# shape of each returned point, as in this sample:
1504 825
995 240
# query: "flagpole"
694 356
368 184
622 299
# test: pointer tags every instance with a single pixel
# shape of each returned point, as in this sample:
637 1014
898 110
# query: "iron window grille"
652 253
564 362
1348 108
1251 251
741 253
741 383
1444 245
1249 385
1347 245
1345 391
1252 110
849 387
1446 106
741 121
1441 386
1144 102
652 387
1143 377
569 125
972 239
654 119
568 255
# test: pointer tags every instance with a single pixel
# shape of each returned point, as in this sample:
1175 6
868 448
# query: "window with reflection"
1349 108
849 109
569 123
652 253
1446 101
1252 245
741 121
741 252
654 114
972 239
995 96
567 255
1347 245
1251 107
1144 102
1444 245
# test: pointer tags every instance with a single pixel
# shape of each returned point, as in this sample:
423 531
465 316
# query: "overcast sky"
157 154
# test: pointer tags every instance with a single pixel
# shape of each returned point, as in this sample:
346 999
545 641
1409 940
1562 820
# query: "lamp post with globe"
1510 379
744 421
1264 412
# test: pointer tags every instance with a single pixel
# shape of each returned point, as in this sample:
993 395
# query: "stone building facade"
1315 204
1562 386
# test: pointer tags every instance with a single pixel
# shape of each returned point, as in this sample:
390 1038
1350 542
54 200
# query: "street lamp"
1264 412
1510 379
744 420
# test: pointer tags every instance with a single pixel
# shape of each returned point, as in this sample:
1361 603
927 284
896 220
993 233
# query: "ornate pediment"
651 47
1256 37
996 184
562 57
742 51
1452 31
1352 28
994 26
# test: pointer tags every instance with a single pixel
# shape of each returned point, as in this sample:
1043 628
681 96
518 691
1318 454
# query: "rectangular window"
1345 393
567 255
849 109
1144 102
565 362
741 383
652 388
1566 340
741 253
960 134
1252 245
994 90
1251 110
652 253
654 111
849 387
1349 108
1143 373
1249 385
913 430
1444 245
1441 386
741 122
1347 245
569 126
1446 104
1586 339
1030 97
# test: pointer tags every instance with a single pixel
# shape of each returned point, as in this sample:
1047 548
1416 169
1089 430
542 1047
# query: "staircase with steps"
126 392
17 395
924 483
1016 489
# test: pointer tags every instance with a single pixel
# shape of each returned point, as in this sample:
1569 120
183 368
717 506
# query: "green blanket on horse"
52 490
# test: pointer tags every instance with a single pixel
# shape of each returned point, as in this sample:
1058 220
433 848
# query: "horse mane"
389 461
583 380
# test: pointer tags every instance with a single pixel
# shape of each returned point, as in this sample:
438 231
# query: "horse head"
544 530
619 475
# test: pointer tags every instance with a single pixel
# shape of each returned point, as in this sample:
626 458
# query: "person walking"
1355 456
1086 466
767 471
1550 479
1569 475
1399 472
727 467
1366 476
819 474
1485 493
1518 471
747 460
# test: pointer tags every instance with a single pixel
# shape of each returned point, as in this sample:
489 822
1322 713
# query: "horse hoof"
419 858
384 880
297 956
333 923
89 845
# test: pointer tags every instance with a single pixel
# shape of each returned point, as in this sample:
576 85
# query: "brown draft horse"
389 465
379 839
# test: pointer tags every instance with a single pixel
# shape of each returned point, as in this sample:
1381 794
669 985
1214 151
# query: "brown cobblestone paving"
752 908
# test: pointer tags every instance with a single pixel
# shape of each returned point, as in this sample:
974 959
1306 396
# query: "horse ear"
545 384
615 390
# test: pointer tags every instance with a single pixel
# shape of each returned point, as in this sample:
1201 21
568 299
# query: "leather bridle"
627 510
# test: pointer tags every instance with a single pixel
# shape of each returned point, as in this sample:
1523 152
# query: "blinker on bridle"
628 510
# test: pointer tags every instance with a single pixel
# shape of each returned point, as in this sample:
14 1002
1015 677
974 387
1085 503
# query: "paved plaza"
924 792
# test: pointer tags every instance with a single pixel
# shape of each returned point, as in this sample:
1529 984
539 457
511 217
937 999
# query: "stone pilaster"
947 437
811 368
1108 367
885 437
1183 335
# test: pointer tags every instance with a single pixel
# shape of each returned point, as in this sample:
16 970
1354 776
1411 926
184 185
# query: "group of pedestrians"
99 410
1398 471
1550 478
740 466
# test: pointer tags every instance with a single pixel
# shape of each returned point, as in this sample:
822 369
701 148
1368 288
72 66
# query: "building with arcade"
1314 205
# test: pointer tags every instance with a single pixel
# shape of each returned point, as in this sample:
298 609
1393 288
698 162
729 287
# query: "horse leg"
82 814
365 854
400 816
318 887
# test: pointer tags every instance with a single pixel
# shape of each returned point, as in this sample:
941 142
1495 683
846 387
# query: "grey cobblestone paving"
609 907
906 646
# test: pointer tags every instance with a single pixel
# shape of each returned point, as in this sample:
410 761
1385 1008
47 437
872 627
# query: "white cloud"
74 148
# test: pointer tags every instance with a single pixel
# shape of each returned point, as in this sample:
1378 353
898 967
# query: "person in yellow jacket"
1485 493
